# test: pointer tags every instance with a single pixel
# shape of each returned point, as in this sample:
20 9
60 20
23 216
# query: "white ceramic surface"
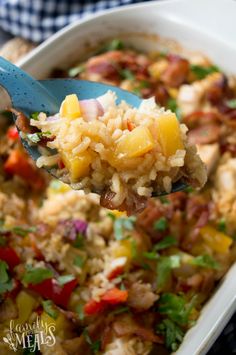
205 25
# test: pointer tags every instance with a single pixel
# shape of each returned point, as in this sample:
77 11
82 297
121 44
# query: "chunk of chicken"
209 154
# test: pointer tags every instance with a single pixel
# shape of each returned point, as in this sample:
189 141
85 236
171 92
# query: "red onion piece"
91 109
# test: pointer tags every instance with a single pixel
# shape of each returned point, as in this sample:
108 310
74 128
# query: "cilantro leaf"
164 266
94 345
206 261
36 275
172 105
115 44
50 309
5 281
172 332
120 310
175 307
34 116
79 241
222 225
126 74
231 103
76 70
160 224
165 243
152 255
64 279
201 72
36 137
79 261
134 250
122 224
23 231
80 311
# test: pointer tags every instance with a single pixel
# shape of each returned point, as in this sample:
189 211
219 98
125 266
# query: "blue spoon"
29 95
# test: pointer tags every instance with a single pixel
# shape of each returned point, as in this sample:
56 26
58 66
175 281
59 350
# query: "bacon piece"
176 73
198 118
141 297
22 122
206 134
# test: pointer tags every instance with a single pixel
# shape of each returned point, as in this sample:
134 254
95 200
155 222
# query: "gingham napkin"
36 20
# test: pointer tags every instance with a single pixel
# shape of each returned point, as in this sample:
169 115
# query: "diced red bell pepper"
130 125
19 164
110 297
10 256
12 133
93 307
115 296
116 272
51 289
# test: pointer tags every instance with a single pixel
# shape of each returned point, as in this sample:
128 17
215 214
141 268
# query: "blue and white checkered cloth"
36 20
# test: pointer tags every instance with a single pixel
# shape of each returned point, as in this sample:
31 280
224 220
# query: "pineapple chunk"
25 304
70 107
78 165
217 241
168 134
135 143
124 249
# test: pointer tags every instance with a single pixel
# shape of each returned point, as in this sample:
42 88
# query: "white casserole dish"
206 25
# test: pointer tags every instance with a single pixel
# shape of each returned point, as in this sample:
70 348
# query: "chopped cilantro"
206 261
201 72
50 309
231 103
79 261
166 242
127 74
36 275
112 216
176 307
120 310
164 200
94 345
115 44
23 231
122 287
36 137
164 266
189 189
76 70
221 226
141 85
172 105
172 332
163 53
161 224
80 311
152 255
79 241
64 279
145 266
122 224
5 281
34 116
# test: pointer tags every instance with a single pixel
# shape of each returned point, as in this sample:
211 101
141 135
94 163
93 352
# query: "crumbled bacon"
206 134
177 71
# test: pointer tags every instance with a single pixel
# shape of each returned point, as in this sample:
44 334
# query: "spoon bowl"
29 95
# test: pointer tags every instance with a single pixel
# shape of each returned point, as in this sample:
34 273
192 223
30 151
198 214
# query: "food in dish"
124 154
110 282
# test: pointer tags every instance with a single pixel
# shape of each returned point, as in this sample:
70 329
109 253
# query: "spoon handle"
26 93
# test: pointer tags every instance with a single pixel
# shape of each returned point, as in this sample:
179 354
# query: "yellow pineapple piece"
124 249
217 241
136 143
25 304
168 134
78 165
70 107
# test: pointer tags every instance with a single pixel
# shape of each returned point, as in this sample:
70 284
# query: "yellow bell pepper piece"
124 249
25 304
78 166
168 134
135 143
57 187
61 324
70 107
217 241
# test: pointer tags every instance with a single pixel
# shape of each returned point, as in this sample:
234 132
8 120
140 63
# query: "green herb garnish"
23 231
36 275
94 345
76 70
79 241
64 279
35 116
115 44
161 224
166 242
231 103
36 137
122 224
205 261
112 216
201 72
120 310
50 308
134 250
127 74
176 307
152 255
172 105
164 200
172 332
5 280
79 261
80 311
164 266
221 226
